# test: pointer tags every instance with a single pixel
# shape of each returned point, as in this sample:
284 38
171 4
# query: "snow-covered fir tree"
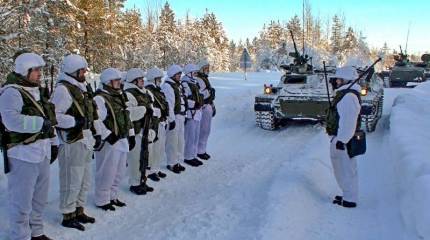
168 36
337 36
108 35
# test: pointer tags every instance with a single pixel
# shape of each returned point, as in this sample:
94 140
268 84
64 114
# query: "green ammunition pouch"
83 106
177 91
118 117
142 100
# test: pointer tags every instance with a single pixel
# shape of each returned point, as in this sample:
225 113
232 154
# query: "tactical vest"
83 106
176 89
42 108
211 91
117 119
159 101
332 118
142 100
195 95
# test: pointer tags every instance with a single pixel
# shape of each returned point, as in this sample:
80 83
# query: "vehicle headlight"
267 89
363 92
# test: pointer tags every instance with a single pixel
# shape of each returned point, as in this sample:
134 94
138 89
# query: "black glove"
149 112
213 111
340 145
197 105
112 139
98 143
212 93
47 125
131 142
80 122
172 125
54 153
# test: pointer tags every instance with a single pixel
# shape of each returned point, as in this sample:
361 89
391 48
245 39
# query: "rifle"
326 84
3 146
368 70
52 80
144 153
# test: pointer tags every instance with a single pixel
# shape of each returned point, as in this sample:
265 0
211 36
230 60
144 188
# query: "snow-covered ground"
410 139
258 185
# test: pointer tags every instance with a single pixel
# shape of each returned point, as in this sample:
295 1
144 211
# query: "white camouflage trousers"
74 161
110 167
133 160
157 150
345 172
175 142
205 128
192 132
28 185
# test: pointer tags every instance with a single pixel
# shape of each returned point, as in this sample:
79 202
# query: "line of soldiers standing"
127 120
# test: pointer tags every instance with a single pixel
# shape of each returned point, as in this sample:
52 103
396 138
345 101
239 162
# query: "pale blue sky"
380 20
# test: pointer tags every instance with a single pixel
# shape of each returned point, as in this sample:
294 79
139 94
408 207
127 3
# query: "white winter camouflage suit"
344 167
28 179
74 158
110 161
192 125
174 138
136 113
206 120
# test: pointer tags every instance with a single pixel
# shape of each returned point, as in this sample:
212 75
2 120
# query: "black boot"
138 190
161 174
147 188
349 204
192 162
204 156
41 237
154 177
337 200
174 168
107 207
70 221
198 161
82 217
117 203
181 168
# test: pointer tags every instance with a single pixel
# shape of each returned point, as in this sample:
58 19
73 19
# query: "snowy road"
258 185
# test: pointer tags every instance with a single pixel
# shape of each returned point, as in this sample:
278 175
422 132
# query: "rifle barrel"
365 72
326 84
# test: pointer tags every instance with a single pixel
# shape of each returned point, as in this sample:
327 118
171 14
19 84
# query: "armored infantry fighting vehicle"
302 94
404 73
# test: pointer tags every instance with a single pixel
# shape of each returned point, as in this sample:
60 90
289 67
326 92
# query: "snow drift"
410 140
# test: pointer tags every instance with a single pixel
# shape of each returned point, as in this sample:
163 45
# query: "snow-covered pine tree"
131 34
349 45
116 56
337 36
309 25
233 58
216 42
168 36
387 57
11 30
295 26
39 26
275 35
93 37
